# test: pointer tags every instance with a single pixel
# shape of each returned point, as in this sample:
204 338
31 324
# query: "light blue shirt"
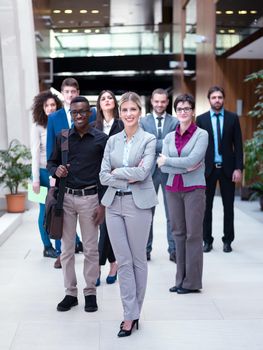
126 153
217 157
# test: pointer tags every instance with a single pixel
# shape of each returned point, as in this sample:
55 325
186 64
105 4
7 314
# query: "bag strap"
64 156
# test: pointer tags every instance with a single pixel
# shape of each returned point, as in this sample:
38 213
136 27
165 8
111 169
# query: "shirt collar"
157 116
191 129
74 131
221 112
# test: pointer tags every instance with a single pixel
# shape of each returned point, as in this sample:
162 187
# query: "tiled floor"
228 314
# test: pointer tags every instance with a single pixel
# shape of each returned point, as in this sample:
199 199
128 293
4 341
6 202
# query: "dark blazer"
232 147
55 123
116 127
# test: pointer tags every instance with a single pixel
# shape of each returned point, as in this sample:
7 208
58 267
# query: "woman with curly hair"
108 121
44 104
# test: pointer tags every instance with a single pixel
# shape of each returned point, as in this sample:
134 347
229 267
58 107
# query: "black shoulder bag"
53 221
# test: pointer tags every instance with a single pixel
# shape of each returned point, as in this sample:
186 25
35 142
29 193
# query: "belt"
122 193
82 192
218 165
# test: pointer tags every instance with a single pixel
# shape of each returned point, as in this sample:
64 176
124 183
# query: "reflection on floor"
228 314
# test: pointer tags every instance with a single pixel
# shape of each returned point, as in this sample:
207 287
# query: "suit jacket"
143 148
232 147
148 124
56 122
192 153
116 127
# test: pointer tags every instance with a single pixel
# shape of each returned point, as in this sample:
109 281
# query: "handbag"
54 213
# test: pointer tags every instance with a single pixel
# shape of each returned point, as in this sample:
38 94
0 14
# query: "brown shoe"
57 264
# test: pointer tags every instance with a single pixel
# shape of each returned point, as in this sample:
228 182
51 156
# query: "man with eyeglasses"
81 201
160 123
57 121
224 164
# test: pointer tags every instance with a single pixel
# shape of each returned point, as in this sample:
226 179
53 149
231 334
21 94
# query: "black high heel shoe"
126 333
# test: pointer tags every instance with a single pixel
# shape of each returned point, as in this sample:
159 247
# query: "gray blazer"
143 148
192 153
148 124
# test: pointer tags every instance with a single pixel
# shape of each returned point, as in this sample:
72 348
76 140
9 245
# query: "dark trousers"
227 189
105 248
160 180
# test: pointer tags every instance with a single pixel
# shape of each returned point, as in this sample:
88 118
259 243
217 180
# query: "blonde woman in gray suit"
182 158
126 170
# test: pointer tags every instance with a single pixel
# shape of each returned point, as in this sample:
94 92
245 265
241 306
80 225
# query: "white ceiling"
253 50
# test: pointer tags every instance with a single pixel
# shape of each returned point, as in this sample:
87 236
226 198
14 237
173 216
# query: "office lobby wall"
229 73
18 70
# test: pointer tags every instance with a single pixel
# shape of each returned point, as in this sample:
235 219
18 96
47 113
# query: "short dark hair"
184 98
160 92
80 99
214 89
70 82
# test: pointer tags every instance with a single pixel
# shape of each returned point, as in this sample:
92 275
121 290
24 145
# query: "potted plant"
15 170
254 146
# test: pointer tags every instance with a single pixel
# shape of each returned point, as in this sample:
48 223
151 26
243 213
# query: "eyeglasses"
74 114
185 109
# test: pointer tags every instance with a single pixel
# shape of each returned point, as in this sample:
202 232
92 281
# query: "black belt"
122 193
82 192
218 165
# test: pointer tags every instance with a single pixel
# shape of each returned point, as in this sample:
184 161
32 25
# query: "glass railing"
112 41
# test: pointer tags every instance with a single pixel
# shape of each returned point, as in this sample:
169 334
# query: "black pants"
227 189
105 248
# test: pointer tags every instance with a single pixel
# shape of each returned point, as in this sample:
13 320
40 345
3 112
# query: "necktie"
159 126
219 141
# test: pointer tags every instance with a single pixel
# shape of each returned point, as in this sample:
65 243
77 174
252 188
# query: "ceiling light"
231 31
229 12
83 11
68 11
242 12
56 11
253 12
65 30
218 12
95 11
97 31
87 31
222 31
74 31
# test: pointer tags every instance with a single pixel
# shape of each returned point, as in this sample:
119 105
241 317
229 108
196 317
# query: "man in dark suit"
160 123
224 163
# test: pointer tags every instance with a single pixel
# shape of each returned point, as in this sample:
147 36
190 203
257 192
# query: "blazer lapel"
152 124
166 125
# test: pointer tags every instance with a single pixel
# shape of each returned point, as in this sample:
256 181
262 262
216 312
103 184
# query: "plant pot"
245 193
16 203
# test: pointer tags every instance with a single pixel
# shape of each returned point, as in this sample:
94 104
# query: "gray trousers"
82 208
186 214
160 179
128 228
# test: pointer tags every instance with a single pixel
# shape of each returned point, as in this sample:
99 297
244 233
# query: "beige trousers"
82 208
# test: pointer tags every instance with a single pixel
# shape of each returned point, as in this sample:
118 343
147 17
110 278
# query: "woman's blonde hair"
130 96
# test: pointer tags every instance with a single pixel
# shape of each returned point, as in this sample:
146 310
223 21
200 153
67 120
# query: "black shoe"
78 247
172 257
173 289
207 247
91 303
50 252
182 290
125 333
148 255
227 248
67 303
